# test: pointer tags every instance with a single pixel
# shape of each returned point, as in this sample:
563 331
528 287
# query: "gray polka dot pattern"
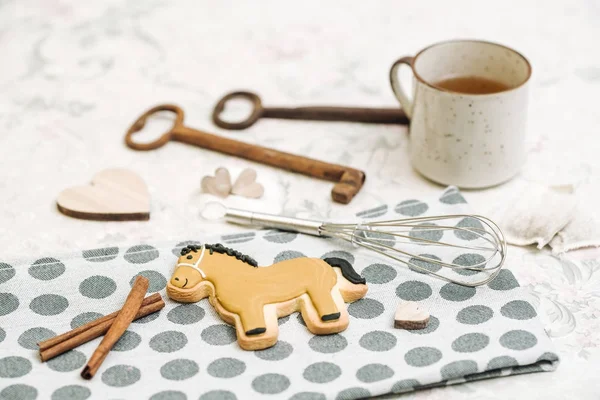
226 368
68 361
471 229
14 367
374 373
518 340
411 208
427 231
465 271
147 318
322 372
141 254
238 238
97 287
279 236
177 249
186 314
6 272
469 260
365 308
470 342
422 356
180 369
280 351
169 395
474 315
454 292
378 238
287 255
168 341
405 385
328 343
308 396
101 255
129 341
373 212
413 291
379 273
49 304
18 392
432 326
378 341
84 318
218 395
31 337
456 369
71 392
418 264
46 269
492 325
353 393
452 196
219 335
8 303
501 362
121 375
504 281
270 383
157 281
518 309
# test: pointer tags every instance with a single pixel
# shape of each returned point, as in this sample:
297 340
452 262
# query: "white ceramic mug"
467 140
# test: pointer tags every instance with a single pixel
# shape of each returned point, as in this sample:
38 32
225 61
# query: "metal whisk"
406 240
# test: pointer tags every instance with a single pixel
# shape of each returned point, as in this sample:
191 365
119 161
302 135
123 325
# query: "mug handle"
405 101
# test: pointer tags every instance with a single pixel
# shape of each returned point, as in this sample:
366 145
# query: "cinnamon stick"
75 338
46 344
126 315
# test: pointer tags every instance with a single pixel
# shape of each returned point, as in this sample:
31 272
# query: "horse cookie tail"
353 286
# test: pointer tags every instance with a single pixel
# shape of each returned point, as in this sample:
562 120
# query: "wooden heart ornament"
113 195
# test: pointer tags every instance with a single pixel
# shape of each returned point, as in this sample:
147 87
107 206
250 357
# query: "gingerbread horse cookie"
252 298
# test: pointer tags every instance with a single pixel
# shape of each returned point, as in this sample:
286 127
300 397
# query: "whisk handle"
243 217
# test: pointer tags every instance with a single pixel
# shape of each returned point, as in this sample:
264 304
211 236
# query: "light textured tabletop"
74 76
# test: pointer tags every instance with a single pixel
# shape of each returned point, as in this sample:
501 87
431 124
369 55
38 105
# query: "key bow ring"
255 115
140 123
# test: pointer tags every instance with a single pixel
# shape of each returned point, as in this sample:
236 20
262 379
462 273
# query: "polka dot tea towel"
187 352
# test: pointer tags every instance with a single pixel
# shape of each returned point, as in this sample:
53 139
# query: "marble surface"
74 76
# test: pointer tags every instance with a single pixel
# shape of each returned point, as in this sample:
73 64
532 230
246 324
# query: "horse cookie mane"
219 248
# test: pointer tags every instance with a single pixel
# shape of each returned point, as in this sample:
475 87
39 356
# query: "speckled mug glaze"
467 140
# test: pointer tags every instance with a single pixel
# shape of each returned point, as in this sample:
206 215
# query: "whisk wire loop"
404 240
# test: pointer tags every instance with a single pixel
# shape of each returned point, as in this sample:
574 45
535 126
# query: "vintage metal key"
318 113
348 180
